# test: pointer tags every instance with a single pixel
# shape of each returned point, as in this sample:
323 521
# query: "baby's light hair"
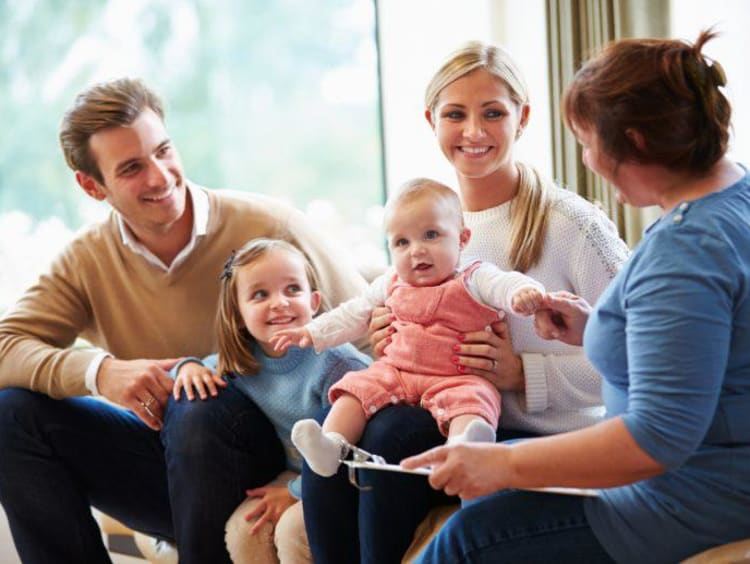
424 189
234 340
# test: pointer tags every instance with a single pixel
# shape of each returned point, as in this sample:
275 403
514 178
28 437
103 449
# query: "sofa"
159 552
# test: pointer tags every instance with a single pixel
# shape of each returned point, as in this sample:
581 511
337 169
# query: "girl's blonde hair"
530 208
235 341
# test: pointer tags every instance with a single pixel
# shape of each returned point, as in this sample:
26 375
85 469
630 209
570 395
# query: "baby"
434 299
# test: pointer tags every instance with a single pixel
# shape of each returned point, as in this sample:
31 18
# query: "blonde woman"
478 105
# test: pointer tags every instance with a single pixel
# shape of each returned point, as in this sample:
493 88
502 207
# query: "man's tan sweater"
102 291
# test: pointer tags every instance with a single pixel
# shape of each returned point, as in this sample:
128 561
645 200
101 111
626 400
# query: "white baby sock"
322 451
478 431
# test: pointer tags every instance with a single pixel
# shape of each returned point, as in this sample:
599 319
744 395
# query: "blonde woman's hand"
193 377
272 502
490 354
562 316
468 470
380 330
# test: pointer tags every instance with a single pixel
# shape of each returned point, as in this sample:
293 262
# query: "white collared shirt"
200 225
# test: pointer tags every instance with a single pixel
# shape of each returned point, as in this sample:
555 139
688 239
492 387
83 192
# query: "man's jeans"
59 457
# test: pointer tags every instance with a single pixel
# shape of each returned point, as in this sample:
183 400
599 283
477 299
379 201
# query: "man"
141 286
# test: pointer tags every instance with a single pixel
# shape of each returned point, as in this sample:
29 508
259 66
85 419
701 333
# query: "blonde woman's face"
476 122
273 293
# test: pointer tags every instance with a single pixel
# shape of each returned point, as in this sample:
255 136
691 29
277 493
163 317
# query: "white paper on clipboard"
425 471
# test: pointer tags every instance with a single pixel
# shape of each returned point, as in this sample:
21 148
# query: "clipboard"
425 471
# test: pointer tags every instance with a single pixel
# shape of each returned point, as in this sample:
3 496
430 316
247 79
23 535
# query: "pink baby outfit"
416 367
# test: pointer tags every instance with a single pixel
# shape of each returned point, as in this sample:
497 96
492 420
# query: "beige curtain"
576 30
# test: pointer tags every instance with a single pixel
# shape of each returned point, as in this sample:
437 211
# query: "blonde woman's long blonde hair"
530 208
234 340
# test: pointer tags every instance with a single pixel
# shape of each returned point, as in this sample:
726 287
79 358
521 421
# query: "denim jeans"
59 457
517 526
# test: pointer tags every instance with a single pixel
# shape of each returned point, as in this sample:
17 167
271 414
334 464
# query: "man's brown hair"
107 104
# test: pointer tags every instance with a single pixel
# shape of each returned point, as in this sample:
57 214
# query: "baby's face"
425 238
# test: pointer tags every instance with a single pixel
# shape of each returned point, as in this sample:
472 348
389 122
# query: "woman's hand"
272 502
490 355
380 330
468 470
562 316
193 376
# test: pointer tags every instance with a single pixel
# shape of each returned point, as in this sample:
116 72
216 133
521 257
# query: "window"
415 37
272 97
729 17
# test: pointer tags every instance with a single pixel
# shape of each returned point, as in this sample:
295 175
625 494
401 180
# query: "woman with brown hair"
669 336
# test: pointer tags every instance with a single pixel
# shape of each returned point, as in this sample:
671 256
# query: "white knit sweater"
582 253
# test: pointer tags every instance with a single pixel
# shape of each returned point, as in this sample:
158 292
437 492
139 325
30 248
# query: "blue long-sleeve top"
671 338
295 386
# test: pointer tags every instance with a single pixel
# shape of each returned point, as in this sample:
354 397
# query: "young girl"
434 298
269 285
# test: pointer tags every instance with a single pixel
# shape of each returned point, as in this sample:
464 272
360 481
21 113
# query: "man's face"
142 173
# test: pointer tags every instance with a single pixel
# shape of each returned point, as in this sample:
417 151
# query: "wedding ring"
494 364
147 409
146 405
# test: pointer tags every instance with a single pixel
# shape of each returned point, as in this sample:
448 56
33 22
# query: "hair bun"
717 74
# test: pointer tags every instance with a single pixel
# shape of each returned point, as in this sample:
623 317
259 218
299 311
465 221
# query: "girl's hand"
562 316
272 502
491 356
194 376
380 330
468 470
285 338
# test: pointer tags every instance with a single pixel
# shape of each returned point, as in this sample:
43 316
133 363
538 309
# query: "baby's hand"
527 301
193 375
285 338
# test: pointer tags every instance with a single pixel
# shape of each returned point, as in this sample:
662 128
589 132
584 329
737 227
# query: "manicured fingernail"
461 337
456 348
454 359
388 340
461 368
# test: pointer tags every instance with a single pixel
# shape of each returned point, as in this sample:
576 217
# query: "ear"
525 113
464 237
315 299
90 186
636 138
428 117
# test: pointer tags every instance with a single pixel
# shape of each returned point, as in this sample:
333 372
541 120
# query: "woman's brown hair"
664 90
234 340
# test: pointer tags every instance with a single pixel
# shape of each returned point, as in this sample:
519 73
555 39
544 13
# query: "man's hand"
194 377
143 386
